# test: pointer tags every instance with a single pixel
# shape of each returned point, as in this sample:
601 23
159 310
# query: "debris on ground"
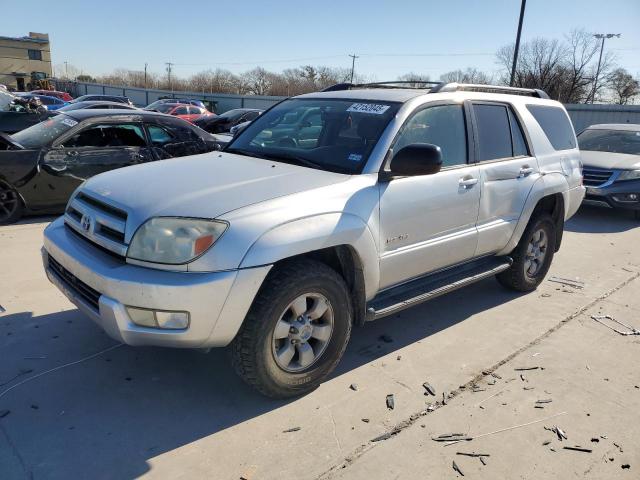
567 281
578 448
457 468
294 429
429 389
495 375
365 420
385 338
522 369
2 309
384 436
626 466
630 330
618 447
544 400
391 402
546 442
595 440
353 386
473 454
451 437
4 413
558 431
399 357
483 461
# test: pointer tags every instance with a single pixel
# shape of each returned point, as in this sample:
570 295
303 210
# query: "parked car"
224 122
197 103
15 117
103 98
383 198
64 96
42 165
611 158
51 103
96 104
183 111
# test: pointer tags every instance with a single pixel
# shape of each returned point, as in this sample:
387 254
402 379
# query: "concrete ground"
161 413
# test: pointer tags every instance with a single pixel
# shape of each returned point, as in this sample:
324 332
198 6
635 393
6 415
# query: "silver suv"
329 210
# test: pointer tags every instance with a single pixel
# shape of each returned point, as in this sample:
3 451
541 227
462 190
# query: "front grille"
594 177
98 222
73 283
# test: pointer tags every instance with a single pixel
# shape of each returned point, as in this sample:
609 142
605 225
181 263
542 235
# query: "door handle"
525 171
467 182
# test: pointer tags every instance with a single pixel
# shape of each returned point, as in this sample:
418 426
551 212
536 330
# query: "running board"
431 286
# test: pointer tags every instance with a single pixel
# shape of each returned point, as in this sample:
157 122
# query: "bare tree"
470 75
415 80
623 86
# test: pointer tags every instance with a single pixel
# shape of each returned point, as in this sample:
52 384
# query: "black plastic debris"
546 442
524 369
353 386
451 437
579 449
544 400
391 404
429 389
383 437
457 468
595 440
483 461
294 429
626 466
365 420
473 454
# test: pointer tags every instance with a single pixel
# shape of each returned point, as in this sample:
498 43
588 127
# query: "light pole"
353 65
603 37
517 48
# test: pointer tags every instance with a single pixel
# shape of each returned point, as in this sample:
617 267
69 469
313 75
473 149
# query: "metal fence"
581 115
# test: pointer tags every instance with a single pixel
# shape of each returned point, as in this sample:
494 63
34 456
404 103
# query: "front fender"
548 184
315 233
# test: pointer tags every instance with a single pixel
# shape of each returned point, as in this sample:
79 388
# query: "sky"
391 38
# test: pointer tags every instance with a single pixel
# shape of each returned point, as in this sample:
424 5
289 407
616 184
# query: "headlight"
174 240
629 175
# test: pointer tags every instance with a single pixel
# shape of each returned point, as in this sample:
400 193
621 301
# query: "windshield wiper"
286 157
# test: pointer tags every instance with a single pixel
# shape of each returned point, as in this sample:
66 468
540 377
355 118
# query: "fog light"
626 197
158 318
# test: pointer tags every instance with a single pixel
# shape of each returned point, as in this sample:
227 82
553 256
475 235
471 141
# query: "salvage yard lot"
182 414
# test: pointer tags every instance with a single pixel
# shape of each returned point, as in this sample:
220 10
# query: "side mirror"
416 159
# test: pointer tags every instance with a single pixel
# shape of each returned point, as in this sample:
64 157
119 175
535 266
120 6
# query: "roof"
85 113
100 102
26 39
379 94
632 127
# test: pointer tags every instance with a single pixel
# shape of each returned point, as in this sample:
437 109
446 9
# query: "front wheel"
296 330
532 256
11 207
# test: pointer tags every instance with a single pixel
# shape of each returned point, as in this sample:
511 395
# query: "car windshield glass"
614 141
164 107
334 135
45 132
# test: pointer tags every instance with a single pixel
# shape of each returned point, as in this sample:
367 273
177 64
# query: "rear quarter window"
555 124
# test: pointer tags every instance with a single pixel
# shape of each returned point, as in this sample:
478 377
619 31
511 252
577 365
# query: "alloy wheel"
9 201
536 253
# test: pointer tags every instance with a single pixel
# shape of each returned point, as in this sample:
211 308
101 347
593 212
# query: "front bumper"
101 286
614 195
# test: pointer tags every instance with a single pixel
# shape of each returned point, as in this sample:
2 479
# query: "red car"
184 111
52 93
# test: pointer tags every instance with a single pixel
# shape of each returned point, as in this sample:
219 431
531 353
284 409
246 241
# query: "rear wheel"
532 256
11 207
296 331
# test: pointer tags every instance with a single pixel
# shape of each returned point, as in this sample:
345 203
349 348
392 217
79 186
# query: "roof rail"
472 87
412 84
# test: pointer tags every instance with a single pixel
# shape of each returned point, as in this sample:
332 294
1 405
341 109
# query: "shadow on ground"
601 220
110 414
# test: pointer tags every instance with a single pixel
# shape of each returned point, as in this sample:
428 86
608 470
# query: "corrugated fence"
581 115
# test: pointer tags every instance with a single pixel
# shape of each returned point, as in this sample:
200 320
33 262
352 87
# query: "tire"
259 353
636 214
523 275
11 206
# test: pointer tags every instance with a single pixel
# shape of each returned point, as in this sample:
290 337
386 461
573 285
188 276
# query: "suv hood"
202 186
610 161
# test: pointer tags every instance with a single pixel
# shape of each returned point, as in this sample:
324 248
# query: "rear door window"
494 132
519 144
556 125
108 135
181 111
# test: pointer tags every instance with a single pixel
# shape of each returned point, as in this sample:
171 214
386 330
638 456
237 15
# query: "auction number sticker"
69 122
374 108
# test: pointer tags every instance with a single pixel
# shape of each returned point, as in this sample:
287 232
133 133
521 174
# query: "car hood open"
202 186
610 161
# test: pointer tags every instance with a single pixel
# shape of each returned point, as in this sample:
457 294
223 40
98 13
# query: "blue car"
52 103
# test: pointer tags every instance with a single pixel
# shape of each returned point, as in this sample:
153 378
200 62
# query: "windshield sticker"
374 108
69 122
354 157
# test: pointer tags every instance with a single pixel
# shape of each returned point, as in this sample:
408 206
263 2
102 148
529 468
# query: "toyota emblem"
85 222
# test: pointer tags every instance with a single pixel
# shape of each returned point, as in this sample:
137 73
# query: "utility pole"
603 37
517 48
66 69
145 74
169 65
353 65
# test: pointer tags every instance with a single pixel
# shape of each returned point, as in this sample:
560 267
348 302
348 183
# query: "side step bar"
427 288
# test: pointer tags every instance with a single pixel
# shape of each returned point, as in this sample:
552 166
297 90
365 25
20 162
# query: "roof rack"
439 87
473 87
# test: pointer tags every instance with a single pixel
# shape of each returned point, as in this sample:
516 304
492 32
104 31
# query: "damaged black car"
41 166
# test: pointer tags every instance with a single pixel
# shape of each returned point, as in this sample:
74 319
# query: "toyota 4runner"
329 210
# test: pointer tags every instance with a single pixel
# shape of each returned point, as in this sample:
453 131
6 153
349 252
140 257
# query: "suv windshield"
614 141
334 135
45 132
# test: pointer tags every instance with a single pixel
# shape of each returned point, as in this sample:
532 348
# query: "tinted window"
108 136
195 111
442 126
181 111
615 141
494 132
555 124
519 145
159 136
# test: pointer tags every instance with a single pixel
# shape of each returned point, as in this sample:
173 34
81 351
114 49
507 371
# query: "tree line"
565 69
